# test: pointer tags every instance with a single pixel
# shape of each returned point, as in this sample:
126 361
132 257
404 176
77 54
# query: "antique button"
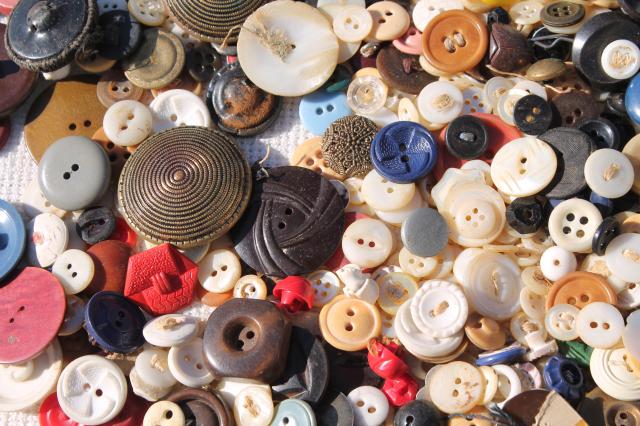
326 286
621 59
417 266
439 307
564 376
239 106
67 108
127 123
239 335
603 132
177 108
572 224
201 155
74 270
187 364
560 321
91 62
526 12
579 289
395 288
600 325
219 271
485 333
157 62
114 323
164 413
508 48
203 61
367 94
295 411
121 34
612 374
401 71
440 102
334 410
575 106
45 37
113 87
546 69
110 259
95 224
390 21
148 12
309 155
421 411
562 14
16 83
170 330
251 287
606 232
318 110
47 238
370 406
556 262
455 41
346 145
609 173
13 240
367 242
352 23
253 406
416 227
151 377
622 256
348 324
532 115
202 407
317 212
467 137
456 387
425 10
525 215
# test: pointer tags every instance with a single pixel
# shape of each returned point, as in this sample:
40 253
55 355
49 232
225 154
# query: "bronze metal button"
546 69
562 14
346 145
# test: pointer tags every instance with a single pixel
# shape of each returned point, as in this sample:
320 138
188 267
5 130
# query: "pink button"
410 42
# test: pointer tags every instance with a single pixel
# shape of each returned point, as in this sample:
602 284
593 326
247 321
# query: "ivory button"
164 413
440 102
250 287
382 194
390 20
600 325
178 107
47 238
397 217
367 243
532 304
573 223
326 286
561 322
623 257
151 377
440 308
416 266
485 333
556 262
609 173
187 364
395 289
170 330
219 271
348 324
352 23
370 406
74 269
127 123
456 387
253 406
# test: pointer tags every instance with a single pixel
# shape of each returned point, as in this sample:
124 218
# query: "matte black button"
203 61
402 71
467 137
418 412
615 104
335 410
562 14
525 215
602 131
573 107
349 370
606 231
121 35
548 45
532 115
95 225
508 48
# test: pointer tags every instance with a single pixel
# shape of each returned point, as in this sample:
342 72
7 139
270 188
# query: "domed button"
401 71
416 227
467 137
525 215
564 376
508 48
110 258
546 69
532 115
346 145
410 42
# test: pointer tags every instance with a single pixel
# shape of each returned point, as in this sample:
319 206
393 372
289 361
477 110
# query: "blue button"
12 238
564 376
632 99
293 412
403 152
506 355
319 109
605 205
114 322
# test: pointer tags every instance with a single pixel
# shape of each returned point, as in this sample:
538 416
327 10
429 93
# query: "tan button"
212 299
456 387
68 108
309 155
546 69
390 21
580 289
184 81
631 225
471 421
484 332
349 323
113 87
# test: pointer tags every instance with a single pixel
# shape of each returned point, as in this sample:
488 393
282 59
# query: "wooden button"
113 87
580 289
309 155
68 108
110 258
348 324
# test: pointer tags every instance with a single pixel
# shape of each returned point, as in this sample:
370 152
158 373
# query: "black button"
548 45
562 14
525 215
349 370
95 225
467 137
203 61
498 16
573 107
335 410
121 35
615 105
418 412
402 71
532 115
606 231
602 131
631 8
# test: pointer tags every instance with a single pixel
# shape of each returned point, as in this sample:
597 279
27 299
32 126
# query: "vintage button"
390 21
346 145
440 102
157 62
417 266
564 376
508 48
348 324
110 259
561 322
418 411
606 232
609 173
114 323
410 42
73 316
352 23
369 405
74 270
612 374
127 123
239 106
203 61
309 155
293 411
605 205
202 407
151 377
122 34
164 413
12 238
219 271
178 107
572 224
506 355
632 151
229 387
414 228
525 215
238 335
113 86
170 330
41 37
334 410
579 289
600 325
47 238
148 12
556 262
467 137
395 288
253 406
456 387
320 109
455 41
562 14
603 132
574 107
532 115
326 286
526 12
318 210
381 194
572 149
474 100
440 308
367 94
367 242
251 287
17 83
622 257
425 10
523 327
620 59
401 71
202 152
187 363
358 284
95 224
92 390
485 333
546 69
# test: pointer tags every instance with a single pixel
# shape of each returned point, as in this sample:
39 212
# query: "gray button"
74 172
424 233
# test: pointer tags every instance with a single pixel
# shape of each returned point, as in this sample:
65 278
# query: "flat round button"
319 109
348 324
390 21
352 23
561 322
609 173
573 223
600 325
367 94
440 102
202 407
620 59
410 42
415 228
456 387
326 285
127 123
148 12
367 242
178 107
110 258
309 155
562 14
485 333
632 151
170 330
370 406
12 238
164 413
293 411
346 145
187 364
532 115
113 86
401 71
467 137
381 194
158 61
579 289
612 374
575 106
253 406
47 238
623 255
74 269
219 271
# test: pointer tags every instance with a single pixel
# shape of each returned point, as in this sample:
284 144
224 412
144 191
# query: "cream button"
523 167
348 324
250 287
367 243
632 152
178 107
416 266
572 224
230 387
164 413
630 335
34 202
535 281
462 261
561 322
474 101
620 59
425 10
253 406
451 178
370 406
509 383
598 265
127 123
219 271
531 87
495 88
354 184
74 269
150 377
92 390
395 289
613 374
396 217
439 307
507 103
623 257
73 316
526 12
456 387
147 12
491 384
521 326
358 284
47 238
390 21
556 262
445 261
440 102
609 173
170 330
187 364
629 297
532 304
407 111
352 23
481 166
382 194
326 286
600 325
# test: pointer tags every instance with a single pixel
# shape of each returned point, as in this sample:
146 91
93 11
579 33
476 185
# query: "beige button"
250 287
474 421
127 123
219 271
390 21
395 289
484 332
164 413
348 324
632 151
417 266
309 155
158 61
352 23
148 12
456 387
367 243
572 224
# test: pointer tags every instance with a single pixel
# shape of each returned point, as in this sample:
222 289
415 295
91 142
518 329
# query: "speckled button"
148 12
580 289
348 324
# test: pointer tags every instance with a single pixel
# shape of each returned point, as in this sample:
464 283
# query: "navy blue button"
632 99
605 205
403 152
506 355
319 109
608 229
114 322
12 238
564 376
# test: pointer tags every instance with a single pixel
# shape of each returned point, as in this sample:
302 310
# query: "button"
620 59
187 364
562 14
606 232
440 102
439 307
609 173
43 38
564 376
532 115
526 13
157 62
410 42
612 374
151 377
348 324
289 217
250 287
556 262
346 145
127 123
202 61
417 266
12 238
164 413
320 109
579 289
122 34
253 406
455 41
508 48
425 10
326 286
600 325
632 151
309 155
295 412
352 23
113 87
546 69
240 344
401 71
485 333
334 410
367 243
110 259
74 270
573 223
83 386
47 238
219 271
381 194
622 257
603 132
561 322
390 21
525 215
73 316
421 411
17 84
202 407
114 323
148 12
523 328
395 288
229 387
413 232
178 107
370 406
366 94
456 387
95 224
467 137
170 330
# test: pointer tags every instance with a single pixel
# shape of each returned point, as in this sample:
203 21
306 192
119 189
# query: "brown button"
508 48
118 155
110 258
68 108
348 324
94 63
210 399
579 289
546 69
527 407
484 332
114 86
569 81
575 107
247 338
309 155
402 71
212 299
15 83
455 41
5 130
184 81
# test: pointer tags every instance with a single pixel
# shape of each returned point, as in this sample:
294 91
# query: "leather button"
402 71
335 410
12 240
532 115
203 61
121 34
113 87
508 48
309 155
247 338
455 41
580 289
390 20
110 258
467 137
346 145
67 108
603 132
525 215
574 107
114 323
348 324
202 407
322 228
16 83
562 14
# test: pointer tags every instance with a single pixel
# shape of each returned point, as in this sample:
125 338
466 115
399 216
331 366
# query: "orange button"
580 289
455 41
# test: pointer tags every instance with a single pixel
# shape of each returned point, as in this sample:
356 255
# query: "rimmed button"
580 289
113 86
346 145
149 12
623 255
440 102
562 14
203 407
348 324
187 364
572 224
603 132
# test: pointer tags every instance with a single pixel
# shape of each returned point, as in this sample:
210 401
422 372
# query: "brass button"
546 69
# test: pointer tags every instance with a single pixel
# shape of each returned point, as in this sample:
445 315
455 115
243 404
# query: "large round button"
348 324
613 375
579 289
12 238
346 145
573 223
623 255
158 61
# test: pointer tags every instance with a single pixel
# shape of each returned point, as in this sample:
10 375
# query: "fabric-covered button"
219 271
572 224
600 325
401 71
74 269
170 330
320 109
187 364
609 173
346 145
622 257
127 123
253 406
164 413
413 232
532 115
367 242
293 411
13 244
467 137
579 289
440 102
348 324
114 323
110 259
47 238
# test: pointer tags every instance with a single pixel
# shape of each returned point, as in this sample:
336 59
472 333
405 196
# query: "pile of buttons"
459 243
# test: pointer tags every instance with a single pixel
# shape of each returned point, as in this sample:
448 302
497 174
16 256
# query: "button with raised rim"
561 322
579 289
620 59
572 224
612 374
440 307
440 102
348 324
158 61
151 377
149 12
187 364
467 137
623 257
562 14
293 411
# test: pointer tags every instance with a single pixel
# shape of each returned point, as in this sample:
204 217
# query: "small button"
110 259
456 387
149 12
572 224
250 287
114 323
293 411
219 271
579 289
526 12
440 102
366 94
95 224
600 325
564 376
326 286
609 173
47 238
532 115
348 324
151 377
401 71
253 406
606 232
390 21
187 364
410 42
395 288
621 59
178 107
604 133
346 145
418 411
127 123
367 242
425 10
485 333
319 109
546 69
525 215
508 48
74 269
202 61
562 14
113 86
417 225
352 23
556 262
73 316
170 330
561 322
574 107
164 413
467 137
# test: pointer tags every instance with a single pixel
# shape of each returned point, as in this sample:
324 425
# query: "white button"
407 111
631 333
598 265
147 12
370 406
445 261
629 297
219 271
230 387
352 23
367 242
164 413
613 375
623 257
507 103
73 316
425 10
495 88
326 286
34 202
396 217
556 262
346 49
440 308
523 167
358 284
25 384
47 238
451 178
632 151
388 330
600 325
128 122
381 194
609 173
572 224
561 322
417 266
253 406
456 387
474 101
521 326
526 12
92 390
187 364
170 330
440 102
531 87
178 107
354 184
74 269
150 377
395 289
534 280
509 383
366 94
532 304
620 59
539 346
462 262
250 287
491 384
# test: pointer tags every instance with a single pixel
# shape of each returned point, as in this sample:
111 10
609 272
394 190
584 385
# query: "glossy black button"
508 48
525 215
95 225
548 45
402 71
602 131
335 410
574 107
532 115
349 370
203 61
606 231
562 14
121 34
293 225
467 137
418 412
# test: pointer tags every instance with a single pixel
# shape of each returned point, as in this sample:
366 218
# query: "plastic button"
293 411
565 377
187 364
170 330
623 255
456 387
74 270
561 322
425 10
250 287
609 173
580 289
370 406
556 262
613 375
415 228
440 102
164 413
178 107
151 377
600 325
390 21
367 242
219 271
572 224
253 406
467 137
127 123
319 109
13 244
352 23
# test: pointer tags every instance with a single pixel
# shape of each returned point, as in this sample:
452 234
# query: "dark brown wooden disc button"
247 338
573 107
293 225
202 407
15 83
402 71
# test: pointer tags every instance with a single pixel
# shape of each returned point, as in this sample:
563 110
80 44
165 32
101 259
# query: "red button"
295 294
31 312
6 6
124 233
